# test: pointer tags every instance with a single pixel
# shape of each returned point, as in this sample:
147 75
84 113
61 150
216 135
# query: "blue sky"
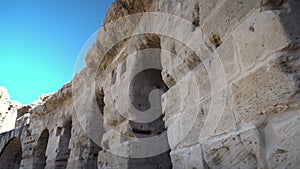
40 41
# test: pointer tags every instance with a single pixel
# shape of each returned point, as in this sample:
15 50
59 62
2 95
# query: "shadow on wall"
11 156
39 154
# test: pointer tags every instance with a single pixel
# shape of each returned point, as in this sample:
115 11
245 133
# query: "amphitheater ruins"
183 84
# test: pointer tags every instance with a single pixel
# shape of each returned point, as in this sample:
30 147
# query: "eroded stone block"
236 150
229 58
187 157
227 15
266 90
260 35
282 135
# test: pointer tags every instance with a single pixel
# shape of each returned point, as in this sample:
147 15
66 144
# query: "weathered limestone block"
23 117
187 157
267 90
113 139
227 122
107 160
52 151
220 116
178 60
187 104
226 16
241 149
190 89
185 95
229 58
131 148
206 8
85 155
171 103
111 115
282 140
185 128
193 123
173 7
101 55
195 11
262 31
113 119
141 42
126 7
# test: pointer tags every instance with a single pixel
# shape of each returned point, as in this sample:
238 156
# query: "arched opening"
11 155
63 149
141 87
140 90
39 153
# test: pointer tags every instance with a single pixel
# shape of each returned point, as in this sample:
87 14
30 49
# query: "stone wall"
197 84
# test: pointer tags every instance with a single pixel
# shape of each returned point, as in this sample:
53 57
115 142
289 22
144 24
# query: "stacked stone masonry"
222 75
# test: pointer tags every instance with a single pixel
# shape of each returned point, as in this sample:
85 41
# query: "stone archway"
142 85
39 154
11 155
146 73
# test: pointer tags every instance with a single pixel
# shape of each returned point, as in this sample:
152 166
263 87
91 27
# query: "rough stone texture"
254 94
251 34
237 150
8 111
241 113
190 157
282 138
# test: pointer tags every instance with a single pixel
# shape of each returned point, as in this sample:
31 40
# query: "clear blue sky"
40 41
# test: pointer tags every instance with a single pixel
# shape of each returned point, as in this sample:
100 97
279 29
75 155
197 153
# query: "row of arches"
140 88
11 155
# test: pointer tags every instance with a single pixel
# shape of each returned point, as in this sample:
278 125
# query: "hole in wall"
123 68
58 131
142 85
100 100
215 39
113 77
